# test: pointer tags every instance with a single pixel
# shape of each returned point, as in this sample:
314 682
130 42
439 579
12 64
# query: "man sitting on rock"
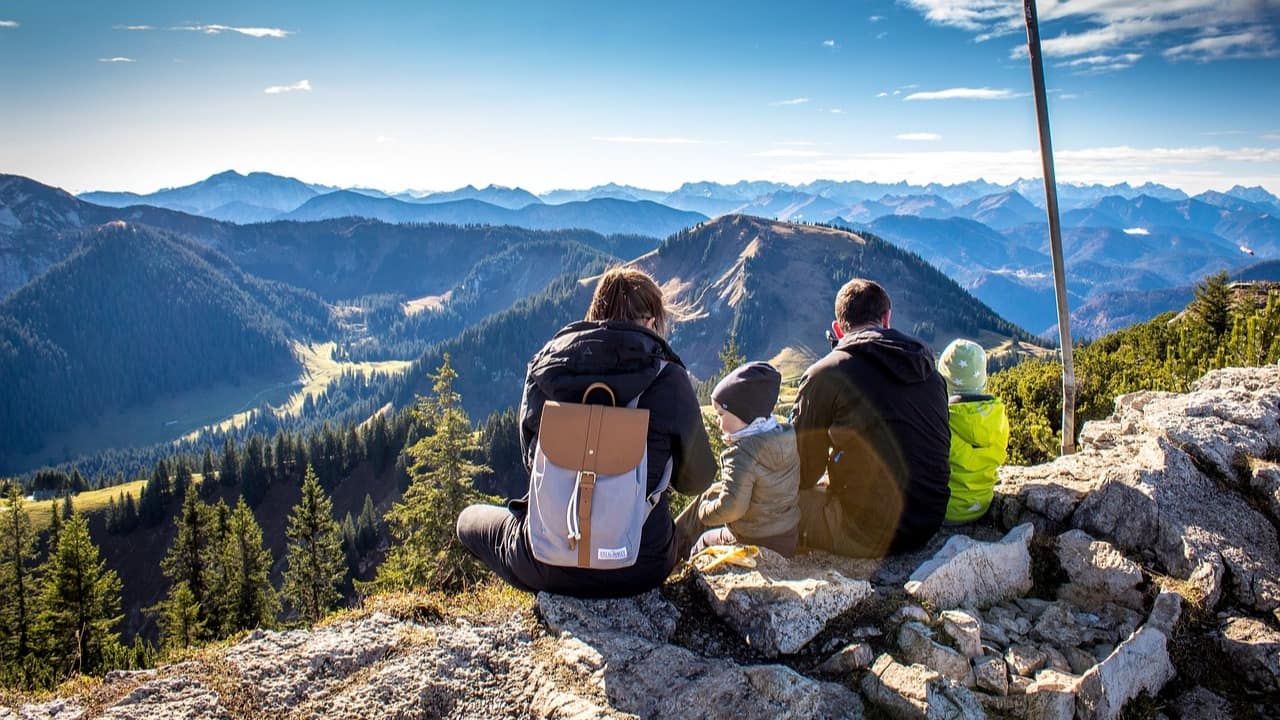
872 415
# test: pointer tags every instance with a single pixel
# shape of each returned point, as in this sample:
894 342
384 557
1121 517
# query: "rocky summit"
1139 577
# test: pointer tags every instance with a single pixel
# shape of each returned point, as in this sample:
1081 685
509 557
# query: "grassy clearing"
319 369
88 502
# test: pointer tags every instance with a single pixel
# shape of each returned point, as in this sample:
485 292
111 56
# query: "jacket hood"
774 450
905 357
623 355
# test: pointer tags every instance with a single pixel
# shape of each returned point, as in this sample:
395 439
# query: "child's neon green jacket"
979 445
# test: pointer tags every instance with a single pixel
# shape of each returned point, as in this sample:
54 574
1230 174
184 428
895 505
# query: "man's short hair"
861 302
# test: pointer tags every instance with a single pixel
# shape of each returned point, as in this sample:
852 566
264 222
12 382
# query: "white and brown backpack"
588 498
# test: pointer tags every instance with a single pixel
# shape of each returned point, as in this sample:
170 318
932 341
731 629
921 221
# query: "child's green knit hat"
964 366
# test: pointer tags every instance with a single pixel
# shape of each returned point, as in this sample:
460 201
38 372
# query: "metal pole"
1055 230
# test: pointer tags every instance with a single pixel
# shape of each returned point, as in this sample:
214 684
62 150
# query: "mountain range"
389 278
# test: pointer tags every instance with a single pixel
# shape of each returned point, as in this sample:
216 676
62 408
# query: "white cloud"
133 27
1102 63
829 43
786 153
1100 25
278 89
1247 44
632 140
1271 136
792 101
875 18
962 93
258 32
882 35
1137 231
919 136
116 60
882 94
836 111
797 143
8 23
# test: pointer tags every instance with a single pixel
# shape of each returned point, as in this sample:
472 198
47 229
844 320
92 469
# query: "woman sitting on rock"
621 344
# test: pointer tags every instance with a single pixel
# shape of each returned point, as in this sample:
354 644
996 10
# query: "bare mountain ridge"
771 284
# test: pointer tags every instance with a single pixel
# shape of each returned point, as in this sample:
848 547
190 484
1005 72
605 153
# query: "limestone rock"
1264 481
1079 660
1200 703
649 615
177 697
454 670
1057 661
917 645
1057 625
911 612
1098 572
1025 660
965 631
1253 649
990 673
853 657
637 672
914 692
283 668
775 607
1165 612
966 572
1051 696
1140 663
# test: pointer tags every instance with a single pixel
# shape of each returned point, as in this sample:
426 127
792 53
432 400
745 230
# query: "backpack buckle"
583 477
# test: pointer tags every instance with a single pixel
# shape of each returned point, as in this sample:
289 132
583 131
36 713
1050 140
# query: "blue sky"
428 95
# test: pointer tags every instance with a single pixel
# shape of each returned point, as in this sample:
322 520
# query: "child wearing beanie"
979 431
755 500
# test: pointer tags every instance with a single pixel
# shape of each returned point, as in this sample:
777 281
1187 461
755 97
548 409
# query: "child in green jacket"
979 431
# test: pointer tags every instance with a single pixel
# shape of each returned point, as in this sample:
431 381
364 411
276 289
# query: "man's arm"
812 417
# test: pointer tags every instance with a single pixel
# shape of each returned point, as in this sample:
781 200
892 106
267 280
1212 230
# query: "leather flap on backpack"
568 431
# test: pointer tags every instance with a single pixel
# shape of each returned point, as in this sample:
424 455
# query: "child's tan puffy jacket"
759 482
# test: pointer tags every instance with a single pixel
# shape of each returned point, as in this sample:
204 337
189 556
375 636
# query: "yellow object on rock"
740 555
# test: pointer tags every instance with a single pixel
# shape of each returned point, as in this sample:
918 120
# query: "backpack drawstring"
571 516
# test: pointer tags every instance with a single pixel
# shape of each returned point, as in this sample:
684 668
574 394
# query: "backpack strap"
665 482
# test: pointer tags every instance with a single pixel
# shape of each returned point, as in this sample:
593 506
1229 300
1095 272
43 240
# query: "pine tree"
1213 303
67 509
181 624
128 515
352 451
315 561
426 551
368 527
350 546
229 472
186 565
55 526
207 469
79 603
253 472
17 566
182 480
250 600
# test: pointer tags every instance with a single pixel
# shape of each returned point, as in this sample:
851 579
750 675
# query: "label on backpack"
612 553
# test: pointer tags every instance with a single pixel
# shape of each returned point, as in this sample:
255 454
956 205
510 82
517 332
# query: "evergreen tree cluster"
1223 327
58 617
